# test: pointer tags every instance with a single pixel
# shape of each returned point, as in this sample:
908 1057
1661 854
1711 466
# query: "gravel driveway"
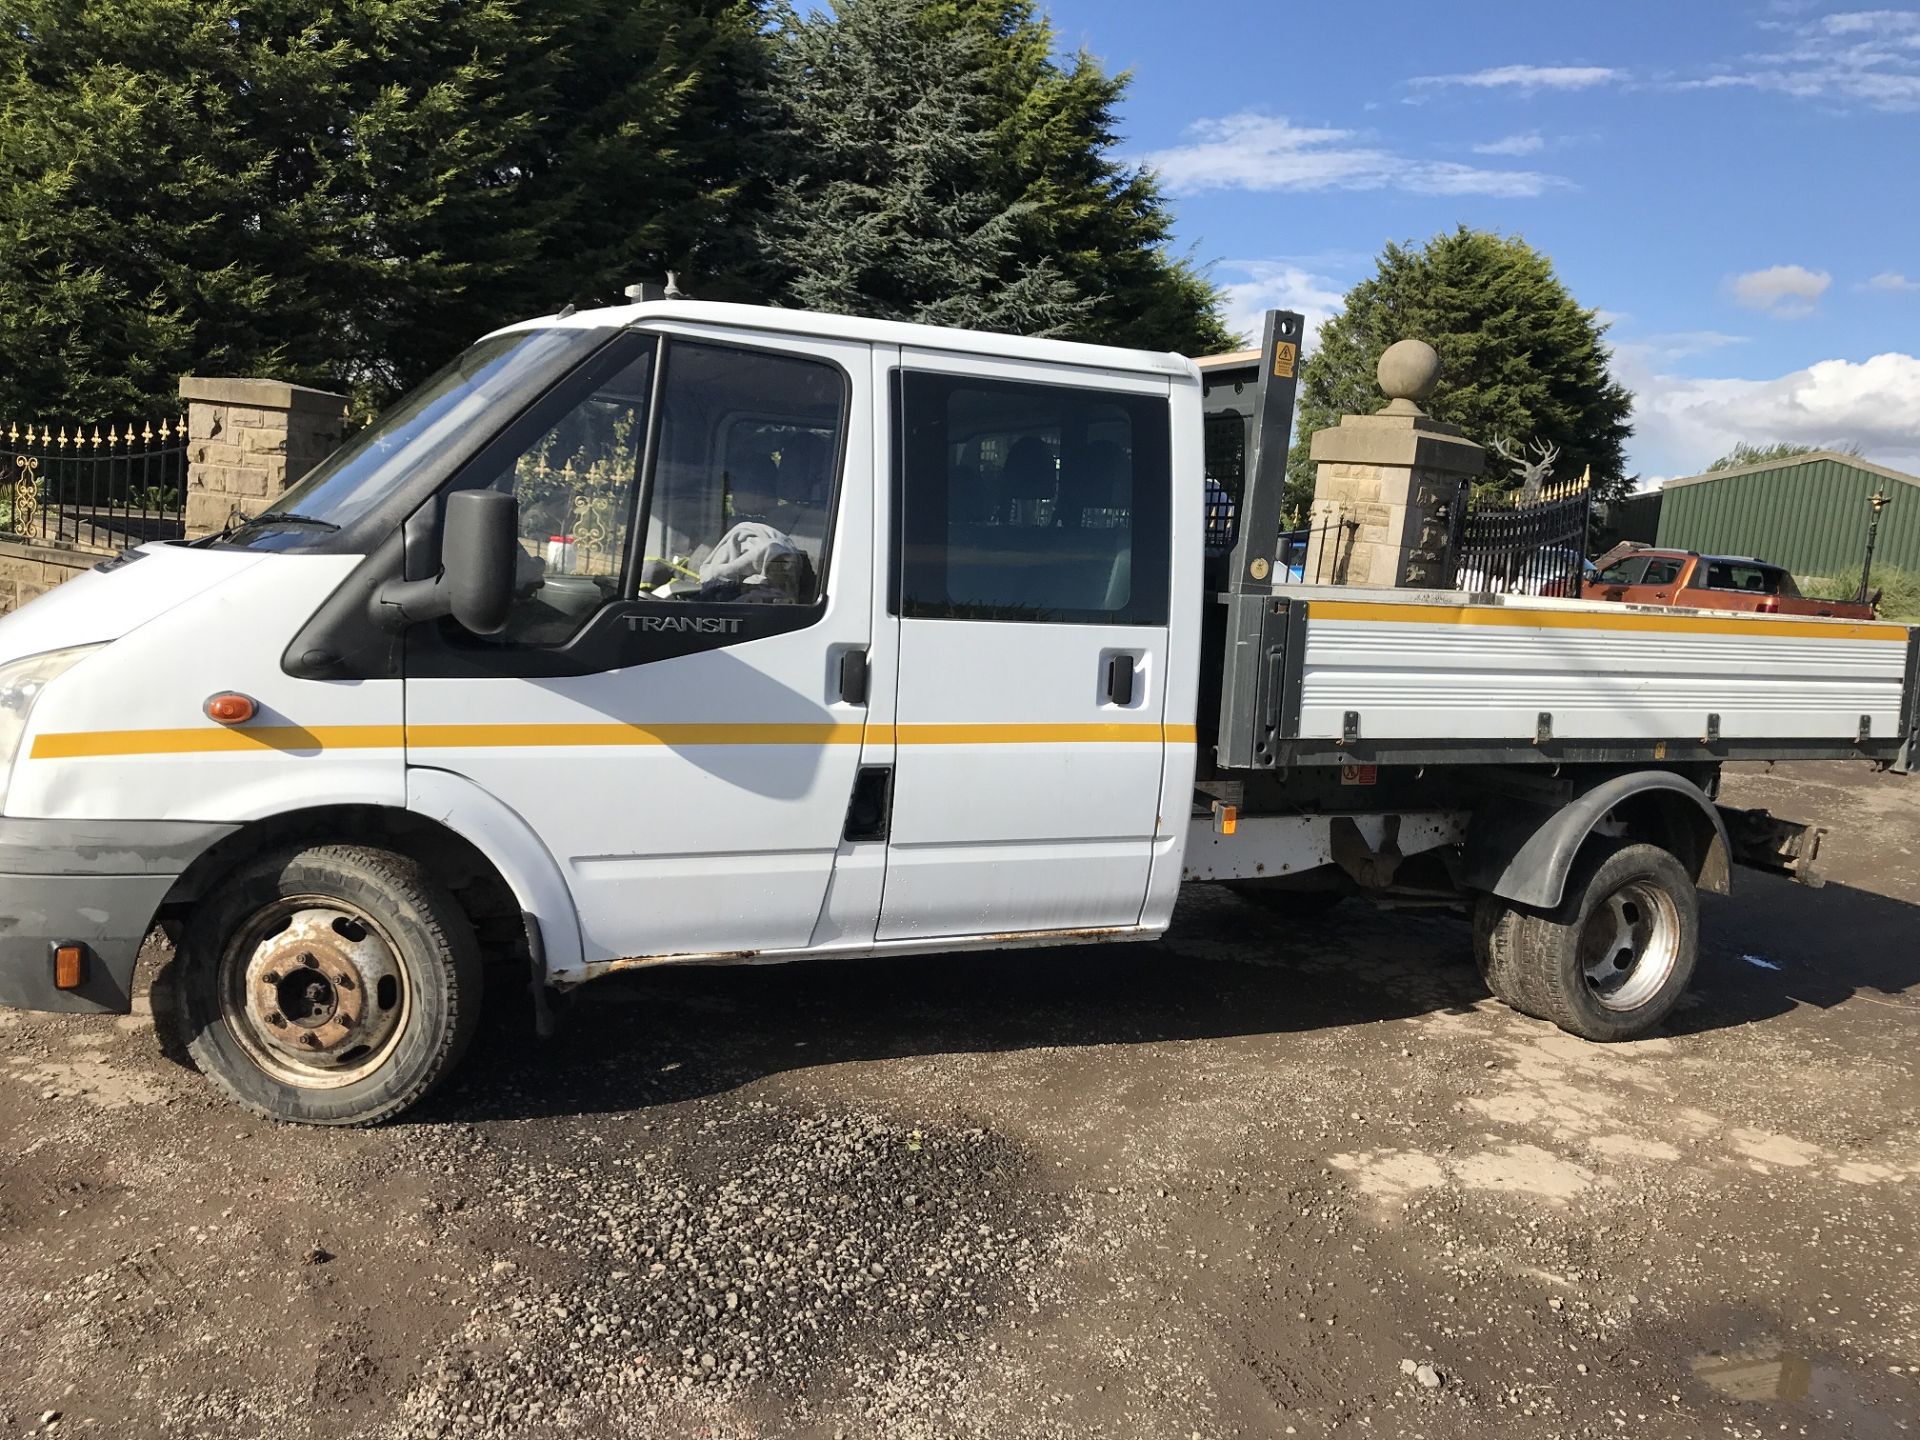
1247 1181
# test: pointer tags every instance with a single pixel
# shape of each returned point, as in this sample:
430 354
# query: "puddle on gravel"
1766 1374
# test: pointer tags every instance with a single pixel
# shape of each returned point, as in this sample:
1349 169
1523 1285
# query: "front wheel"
1613 959
329 984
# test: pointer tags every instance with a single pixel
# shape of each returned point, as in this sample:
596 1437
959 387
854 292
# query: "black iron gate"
1510 544
105 488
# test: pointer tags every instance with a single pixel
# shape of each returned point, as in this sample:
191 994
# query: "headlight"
20 685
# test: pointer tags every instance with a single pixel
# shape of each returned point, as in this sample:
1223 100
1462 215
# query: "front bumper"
96 883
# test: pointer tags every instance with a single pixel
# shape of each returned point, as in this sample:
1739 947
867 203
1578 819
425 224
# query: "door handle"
1120 680
853 677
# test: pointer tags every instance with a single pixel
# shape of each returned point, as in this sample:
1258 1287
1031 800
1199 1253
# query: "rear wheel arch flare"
1524 853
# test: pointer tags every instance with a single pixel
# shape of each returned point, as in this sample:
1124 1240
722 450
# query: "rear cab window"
1749 578
1033 502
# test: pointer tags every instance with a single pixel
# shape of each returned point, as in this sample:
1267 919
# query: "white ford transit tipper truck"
685 632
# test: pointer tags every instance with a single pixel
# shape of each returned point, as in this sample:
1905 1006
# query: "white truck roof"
884 332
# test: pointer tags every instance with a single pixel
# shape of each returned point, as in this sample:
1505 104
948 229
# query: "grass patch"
1900 591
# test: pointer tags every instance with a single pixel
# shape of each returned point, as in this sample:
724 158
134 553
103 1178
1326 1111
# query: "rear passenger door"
1029 583
1657 586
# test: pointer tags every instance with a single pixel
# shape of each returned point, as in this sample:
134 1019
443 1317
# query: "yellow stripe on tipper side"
1515 617
210 741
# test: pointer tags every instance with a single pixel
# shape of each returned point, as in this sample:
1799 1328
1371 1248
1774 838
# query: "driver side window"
743 484
575 481
745 450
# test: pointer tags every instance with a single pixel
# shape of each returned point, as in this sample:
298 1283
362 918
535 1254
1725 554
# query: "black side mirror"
479 548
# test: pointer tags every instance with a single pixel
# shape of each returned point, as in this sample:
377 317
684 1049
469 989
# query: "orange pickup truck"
1710 582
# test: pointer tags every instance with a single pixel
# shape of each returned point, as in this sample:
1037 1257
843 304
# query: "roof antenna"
649 290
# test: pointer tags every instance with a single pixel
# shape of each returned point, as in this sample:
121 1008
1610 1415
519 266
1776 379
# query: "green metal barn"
1806 512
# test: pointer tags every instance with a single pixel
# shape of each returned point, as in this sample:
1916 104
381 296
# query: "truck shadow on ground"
1226 969
1773 945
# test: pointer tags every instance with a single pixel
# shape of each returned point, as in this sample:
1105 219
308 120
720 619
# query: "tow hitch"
1763 841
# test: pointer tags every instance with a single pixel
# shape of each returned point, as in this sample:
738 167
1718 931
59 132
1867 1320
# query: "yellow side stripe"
451 737
1031 734
298 739
215 740
1514 617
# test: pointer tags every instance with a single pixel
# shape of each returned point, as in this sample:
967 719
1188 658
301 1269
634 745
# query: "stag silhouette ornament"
1533 473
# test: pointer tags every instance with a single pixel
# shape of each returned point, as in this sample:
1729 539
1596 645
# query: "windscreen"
346 486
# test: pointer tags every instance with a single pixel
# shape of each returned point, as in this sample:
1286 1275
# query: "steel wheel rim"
1630 945
315 992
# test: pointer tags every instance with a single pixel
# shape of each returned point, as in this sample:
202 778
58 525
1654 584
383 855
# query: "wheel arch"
1524 853
497 881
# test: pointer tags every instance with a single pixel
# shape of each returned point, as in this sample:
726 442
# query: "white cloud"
1250 151
1529 143
1864 57
1872 22
1278 285
1891 280
1681 424
1653 350
1527 78
1786 291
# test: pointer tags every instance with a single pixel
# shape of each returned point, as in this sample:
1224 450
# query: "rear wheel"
1613 959
1493 952
329 985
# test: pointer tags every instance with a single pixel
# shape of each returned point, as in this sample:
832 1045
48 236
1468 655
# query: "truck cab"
676 631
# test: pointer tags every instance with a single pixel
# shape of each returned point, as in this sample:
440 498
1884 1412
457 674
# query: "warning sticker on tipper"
1359 774
1285 353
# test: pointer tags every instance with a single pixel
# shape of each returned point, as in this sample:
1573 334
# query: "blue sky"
1734 183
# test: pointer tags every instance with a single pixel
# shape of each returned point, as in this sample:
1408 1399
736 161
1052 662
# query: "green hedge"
1899 600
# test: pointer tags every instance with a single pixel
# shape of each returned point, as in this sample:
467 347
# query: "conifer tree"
1105 224
889 208
343 194
1519 355
944 164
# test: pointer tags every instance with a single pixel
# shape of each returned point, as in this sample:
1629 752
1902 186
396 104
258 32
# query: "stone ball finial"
1408 371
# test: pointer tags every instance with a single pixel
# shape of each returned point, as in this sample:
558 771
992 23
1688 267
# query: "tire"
1613 959
1279 900
1493 953
329 985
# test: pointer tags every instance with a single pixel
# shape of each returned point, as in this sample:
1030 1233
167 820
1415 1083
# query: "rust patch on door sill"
595 969
1062 937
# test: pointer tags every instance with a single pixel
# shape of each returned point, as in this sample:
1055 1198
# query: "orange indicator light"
229 707
69 966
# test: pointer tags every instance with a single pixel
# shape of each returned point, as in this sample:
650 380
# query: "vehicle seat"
806 491
1029 480
1082 561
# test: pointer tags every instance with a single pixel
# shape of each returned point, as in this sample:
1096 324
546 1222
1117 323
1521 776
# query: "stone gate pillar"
1382 482
247 440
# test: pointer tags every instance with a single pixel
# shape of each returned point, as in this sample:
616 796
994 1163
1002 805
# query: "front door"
1031 587
664 705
